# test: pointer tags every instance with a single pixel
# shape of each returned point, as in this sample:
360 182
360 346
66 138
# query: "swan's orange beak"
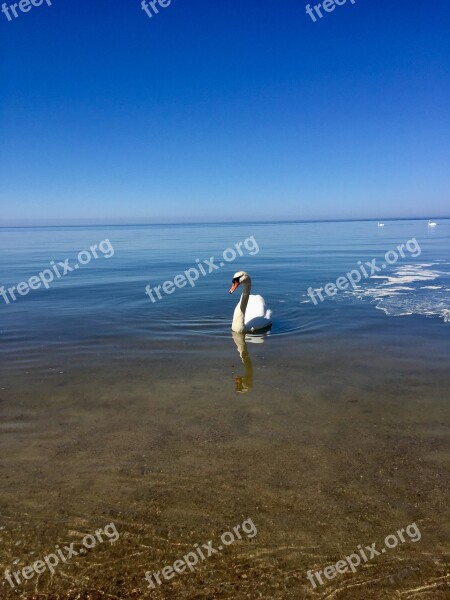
234 286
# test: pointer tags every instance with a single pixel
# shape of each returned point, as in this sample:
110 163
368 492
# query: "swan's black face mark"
234 284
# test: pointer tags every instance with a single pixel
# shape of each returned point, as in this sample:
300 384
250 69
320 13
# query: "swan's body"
380 224
256 316
431 224
251 314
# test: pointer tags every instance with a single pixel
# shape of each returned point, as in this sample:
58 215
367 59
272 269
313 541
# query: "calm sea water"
105 301
328 434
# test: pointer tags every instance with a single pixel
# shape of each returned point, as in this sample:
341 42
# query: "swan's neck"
239 314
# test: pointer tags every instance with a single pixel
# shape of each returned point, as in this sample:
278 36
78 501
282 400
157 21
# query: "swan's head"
238 278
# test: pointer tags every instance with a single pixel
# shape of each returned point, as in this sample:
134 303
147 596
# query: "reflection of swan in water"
243 383
251 313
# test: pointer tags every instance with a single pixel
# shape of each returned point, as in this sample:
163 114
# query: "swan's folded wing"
256 307
257 315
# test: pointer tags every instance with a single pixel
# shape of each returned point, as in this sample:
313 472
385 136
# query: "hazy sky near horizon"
220 110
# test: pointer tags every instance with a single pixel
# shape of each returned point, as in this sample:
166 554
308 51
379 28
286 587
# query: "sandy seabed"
337 444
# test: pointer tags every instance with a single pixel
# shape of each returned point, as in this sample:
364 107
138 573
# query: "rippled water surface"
106 299
328 432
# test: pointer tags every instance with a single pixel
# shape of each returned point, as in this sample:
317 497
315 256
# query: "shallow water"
330 432
106 298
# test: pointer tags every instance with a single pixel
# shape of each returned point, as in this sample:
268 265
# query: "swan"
380 224
431 224
251 313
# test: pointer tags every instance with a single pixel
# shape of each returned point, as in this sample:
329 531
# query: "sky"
220 110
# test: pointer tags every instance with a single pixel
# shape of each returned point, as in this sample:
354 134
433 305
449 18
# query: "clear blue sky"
224 110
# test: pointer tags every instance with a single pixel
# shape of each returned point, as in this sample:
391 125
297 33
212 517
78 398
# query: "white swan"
251 313
431 224
380 224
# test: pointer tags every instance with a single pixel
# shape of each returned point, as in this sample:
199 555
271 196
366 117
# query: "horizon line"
245 222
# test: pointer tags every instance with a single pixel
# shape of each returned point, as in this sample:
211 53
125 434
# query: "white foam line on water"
395 294
408 274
